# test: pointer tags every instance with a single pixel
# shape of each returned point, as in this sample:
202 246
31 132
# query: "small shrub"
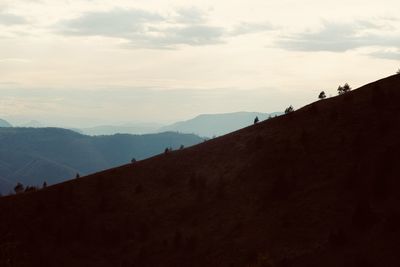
256 120
19 188
77 176
133 160
289 109
44 184
343 89
322 95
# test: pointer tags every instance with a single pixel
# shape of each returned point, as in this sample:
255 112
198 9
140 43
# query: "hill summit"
315 187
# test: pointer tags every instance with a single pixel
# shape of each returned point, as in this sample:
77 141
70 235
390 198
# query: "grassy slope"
318 187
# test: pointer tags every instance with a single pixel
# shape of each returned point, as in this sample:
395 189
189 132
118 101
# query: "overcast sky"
88 62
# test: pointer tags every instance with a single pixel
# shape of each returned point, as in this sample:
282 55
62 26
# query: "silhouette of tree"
256 120
133 160
344 89
19 188
182 147
44 184
289 109
77 176
322 95
166 150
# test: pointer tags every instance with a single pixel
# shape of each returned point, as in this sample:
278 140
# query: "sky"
82 63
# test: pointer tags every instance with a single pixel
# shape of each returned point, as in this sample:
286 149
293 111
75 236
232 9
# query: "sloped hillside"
34 155
316 187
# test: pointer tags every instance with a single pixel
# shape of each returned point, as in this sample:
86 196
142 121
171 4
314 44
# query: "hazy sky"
78 62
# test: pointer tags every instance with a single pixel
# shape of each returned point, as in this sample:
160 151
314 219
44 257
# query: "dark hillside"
34 155
316 187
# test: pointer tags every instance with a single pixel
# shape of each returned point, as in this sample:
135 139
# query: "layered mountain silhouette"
315 187
205 125
210 125
134 128
34 155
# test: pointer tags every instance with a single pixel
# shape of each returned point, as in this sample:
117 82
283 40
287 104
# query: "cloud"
143 29
191 15
340 37
387 54
114 23
248 28
8 19
140 28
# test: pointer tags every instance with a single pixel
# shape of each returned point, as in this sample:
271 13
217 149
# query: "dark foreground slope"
34 155
317 187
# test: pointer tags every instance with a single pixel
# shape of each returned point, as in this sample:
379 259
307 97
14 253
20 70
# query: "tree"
256 120
289 109
44 184
344 89
133 160
322 95
19 188
77 176
182 147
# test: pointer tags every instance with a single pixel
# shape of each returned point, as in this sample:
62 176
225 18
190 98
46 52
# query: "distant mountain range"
205 125
134 128
210 125
34 155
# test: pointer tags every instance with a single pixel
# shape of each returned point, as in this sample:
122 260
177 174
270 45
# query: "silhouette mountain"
34 155
209 125
315 187
4 123
134 128
206 125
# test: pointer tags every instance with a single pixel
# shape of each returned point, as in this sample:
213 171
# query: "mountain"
138 128
315 187
4 123
34 155
211 125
